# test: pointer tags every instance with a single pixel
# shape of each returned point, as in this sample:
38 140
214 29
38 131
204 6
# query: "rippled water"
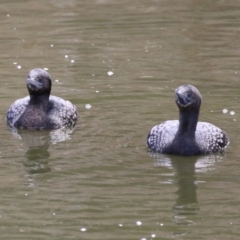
124 58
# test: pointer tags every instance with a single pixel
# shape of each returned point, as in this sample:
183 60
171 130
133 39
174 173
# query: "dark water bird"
187 136
40 110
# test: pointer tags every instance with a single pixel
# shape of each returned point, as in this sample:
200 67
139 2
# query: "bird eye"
189 95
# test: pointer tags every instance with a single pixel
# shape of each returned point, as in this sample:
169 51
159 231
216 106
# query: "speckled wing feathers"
162 135
62 112
16 110
211 138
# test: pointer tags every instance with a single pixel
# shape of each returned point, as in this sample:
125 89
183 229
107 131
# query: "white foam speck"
15 63
19 67
224 110
153 235
26 194
46 69
8 15
66 56
110 73
83 229
232 112
54 214
120 225
161 224
143 239
88 106
56 80
72 61
97 91
148 77
139 223
52 45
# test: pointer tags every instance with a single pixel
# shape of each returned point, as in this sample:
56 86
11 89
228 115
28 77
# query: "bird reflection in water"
186 202
185 168
38 142
37 160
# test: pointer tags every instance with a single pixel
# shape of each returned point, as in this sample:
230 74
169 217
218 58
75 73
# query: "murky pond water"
124 58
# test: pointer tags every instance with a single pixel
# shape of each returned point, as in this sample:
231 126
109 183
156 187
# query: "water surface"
124 58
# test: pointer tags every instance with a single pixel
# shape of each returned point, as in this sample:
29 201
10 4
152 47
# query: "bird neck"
39 101
188 122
